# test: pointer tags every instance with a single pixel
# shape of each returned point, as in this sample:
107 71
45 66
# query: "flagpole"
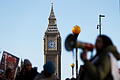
15 72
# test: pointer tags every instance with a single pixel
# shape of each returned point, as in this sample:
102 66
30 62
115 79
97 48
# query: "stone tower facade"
52 44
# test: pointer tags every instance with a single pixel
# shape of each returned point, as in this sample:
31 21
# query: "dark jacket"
27 75
41 76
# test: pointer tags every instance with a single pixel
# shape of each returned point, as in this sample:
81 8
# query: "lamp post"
76 30
72 66
99 25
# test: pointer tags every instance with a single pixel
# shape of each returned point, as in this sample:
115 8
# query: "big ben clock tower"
52 44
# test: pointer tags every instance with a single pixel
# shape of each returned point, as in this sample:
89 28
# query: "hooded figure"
27 72
47 73
49 68
27 62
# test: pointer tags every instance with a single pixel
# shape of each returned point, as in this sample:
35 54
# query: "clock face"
51 44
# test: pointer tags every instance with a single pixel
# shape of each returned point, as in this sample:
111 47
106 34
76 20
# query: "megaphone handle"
84 50
84 55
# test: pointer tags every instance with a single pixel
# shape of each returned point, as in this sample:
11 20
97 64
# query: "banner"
9 61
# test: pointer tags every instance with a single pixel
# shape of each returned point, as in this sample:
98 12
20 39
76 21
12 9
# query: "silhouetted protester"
73 79
2 74
27 72
101 66
67 79
47 73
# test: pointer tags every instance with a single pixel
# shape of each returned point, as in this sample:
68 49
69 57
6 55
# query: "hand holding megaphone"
84 56
85 46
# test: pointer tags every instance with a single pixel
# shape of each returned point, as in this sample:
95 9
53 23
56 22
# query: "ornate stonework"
52 44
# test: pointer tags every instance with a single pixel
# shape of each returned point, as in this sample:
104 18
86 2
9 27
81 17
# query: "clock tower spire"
52 44
52 25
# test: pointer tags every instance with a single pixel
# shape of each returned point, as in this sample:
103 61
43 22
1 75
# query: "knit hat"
49 67
27 62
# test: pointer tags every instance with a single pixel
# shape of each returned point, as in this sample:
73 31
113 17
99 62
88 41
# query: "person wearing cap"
47 73
27 72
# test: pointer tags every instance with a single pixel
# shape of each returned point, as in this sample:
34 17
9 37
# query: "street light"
76 30
72 66
99 25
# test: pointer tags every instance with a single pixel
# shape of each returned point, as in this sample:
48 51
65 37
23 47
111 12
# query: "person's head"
49 69
102 42
27 64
